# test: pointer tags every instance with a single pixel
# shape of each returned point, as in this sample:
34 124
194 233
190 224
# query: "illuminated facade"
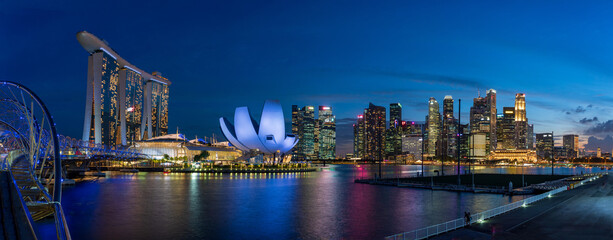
449 129
519 155
326 139
306 130
571 145
544 145
374 123
434 127
359 136
267 137
124 104
521 122
393 135
177 147
507 129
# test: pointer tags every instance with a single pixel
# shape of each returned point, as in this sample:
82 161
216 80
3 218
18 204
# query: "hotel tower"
124 103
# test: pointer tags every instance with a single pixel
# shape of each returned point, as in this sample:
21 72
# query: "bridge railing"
437 229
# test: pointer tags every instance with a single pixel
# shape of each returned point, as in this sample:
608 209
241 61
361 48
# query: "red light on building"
360 116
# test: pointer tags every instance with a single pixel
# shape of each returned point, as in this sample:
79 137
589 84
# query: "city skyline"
305 62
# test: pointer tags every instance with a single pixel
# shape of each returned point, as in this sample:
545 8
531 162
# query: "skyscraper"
449 129
544 145
327 133
393 135
434 127
304 125
395 115
508 129
479 128
359 137
374 123
521 122
124 104
571 145
491 117
530 136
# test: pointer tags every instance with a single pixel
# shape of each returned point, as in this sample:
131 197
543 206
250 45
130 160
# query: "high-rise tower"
374 123
521 122
434 126
327 133
449 129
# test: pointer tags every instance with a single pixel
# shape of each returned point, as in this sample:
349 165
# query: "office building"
393 135
449 129
374 123
507 129
521 122
303 120
123 103
359 136
434 127
544 145
571 145
327 133
530 136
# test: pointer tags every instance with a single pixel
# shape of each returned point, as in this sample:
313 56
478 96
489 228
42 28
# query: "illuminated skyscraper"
530 136
303 127
571 145
449 129
327 133
123 104
395 115
544 145
434 127
521 122
393 135
491 117
359 137
374 123
507 129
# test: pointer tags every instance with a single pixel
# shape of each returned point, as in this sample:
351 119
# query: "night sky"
226 54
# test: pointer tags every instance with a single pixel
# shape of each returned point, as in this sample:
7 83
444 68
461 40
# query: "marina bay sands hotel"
124 103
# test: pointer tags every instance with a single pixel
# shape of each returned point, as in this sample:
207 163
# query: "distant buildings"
449 129
521 122
317 136
370 133
570 143
123 103
544 145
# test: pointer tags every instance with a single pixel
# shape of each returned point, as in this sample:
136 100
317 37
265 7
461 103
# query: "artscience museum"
268 136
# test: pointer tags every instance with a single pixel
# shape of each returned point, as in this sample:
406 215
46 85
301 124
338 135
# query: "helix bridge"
30 165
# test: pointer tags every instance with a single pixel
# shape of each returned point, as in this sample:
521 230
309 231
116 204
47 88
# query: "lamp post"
551 153
422 150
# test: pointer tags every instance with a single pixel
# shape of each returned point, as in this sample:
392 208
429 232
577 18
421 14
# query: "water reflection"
313 205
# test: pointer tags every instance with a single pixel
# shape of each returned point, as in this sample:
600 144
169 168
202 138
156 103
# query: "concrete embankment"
581 213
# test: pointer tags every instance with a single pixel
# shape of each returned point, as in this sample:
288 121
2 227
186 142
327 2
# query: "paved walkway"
582 213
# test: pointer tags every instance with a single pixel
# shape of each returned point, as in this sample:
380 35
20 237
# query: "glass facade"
109 102
135 88
327 133
159 108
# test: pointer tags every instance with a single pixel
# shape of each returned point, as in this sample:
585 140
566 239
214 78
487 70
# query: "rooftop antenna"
478 92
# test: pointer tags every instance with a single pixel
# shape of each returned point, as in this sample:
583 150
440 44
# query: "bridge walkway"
14 219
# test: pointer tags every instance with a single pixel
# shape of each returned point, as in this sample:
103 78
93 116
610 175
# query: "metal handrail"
437 229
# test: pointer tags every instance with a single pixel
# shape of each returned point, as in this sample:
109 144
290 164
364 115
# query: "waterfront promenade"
582 213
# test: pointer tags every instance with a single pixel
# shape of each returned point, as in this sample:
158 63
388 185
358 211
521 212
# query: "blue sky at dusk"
345 54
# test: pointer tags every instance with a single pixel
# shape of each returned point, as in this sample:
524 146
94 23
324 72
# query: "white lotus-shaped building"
268 137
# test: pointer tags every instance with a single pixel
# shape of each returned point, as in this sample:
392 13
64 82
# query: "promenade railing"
437 229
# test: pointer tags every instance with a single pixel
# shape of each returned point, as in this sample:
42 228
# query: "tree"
203 155
166 157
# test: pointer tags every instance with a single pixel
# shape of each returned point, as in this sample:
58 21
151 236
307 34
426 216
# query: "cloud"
605 127
593 143
588 120
579 109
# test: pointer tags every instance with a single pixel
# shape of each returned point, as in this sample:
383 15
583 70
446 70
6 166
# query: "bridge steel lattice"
30 160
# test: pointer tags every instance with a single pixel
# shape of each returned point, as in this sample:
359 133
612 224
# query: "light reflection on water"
313 205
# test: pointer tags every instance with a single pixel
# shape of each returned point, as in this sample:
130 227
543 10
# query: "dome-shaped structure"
268 136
